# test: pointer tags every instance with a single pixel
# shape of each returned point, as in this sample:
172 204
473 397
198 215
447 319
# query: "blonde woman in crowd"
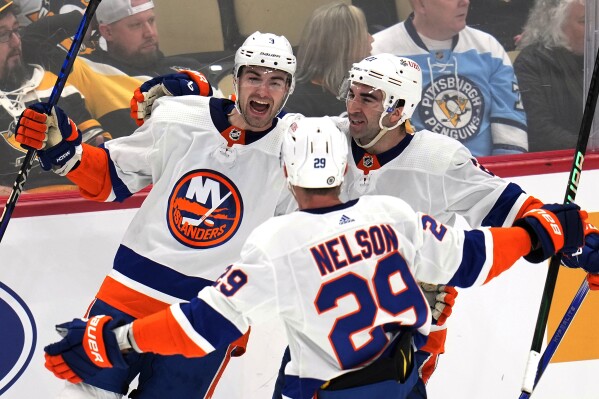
335 36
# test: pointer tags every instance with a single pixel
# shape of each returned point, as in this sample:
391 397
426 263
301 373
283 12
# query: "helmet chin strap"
381 132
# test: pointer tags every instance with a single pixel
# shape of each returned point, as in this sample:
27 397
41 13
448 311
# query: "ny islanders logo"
18 337
204 209
453 106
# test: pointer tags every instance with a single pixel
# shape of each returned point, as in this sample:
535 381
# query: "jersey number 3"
407 301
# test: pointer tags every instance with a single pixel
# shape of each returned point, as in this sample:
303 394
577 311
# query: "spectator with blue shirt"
470 90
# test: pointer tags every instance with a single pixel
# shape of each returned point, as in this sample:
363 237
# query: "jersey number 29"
407 302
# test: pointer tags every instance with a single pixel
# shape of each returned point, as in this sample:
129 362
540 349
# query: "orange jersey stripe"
509 244
161 333
128 300
92 175
435 342
530 204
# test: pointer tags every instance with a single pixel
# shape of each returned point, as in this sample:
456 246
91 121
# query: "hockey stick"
559 334
573 180
61 80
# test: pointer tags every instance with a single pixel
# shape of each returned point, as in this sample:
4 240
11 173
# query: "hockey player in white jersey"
202 156
342 276
433 173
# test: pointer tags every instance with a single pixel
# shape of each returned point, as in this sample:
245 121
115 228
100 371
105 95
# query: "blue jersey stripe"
157 276
118 186
300 388
502 207
474 257
210 324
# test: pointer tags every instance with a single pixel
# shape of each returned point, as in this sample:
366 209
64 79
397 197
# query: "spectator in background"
32 10
21 85
503 19
335 36
108 76
470 91
550 70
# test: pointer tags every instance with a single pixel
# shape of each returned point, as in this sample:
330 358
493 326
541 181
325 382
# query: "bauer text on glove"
553 228
88 347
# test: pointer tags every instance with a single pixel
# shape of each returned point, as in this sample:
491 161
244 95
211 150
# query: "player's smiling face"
261 95
364 109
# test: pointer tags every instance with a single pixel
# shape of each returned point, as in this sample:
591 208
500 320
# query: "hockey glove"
593 280
55 137
587 257
553 228
88 347
183 83
441 299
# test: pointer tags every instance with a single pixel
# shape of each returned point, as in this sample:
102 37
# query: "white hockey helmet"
399 78
315 153
267 50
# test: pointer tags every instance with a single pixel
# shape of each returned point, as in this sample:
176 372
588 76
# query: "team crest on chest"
453 106
204 209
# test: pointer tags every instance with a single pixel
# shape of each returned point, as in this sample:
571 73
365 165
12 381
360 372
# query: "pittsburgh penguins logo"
204 209
453 107
17 324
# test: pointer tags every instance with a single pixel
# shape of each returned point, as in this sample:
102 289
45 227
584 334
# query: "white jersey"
212 185
343 281
436 175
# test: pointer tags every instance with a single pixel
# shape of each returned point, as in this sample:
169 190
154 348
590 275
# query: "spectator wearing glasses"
21 85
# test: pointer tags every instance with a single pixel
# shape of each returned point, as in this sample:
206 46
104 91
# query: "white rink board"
489 337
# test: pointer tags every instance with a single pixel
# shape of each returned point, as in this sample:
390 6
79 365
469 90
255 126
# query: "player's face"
261 95
10 50
441 19
133 38
574 28
364 109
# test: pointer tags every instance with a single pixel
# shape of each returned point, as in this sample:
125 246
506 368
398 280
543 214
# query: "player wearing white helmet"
431 172
200 155
389 85
340 276
261 55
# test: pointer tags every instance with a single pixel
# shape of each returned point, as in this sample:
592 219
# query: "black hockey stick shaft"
571 190
61 80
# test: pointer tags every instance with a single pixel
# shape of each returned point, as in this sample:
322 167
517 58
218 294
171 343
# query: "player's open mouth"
259 107
356 122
